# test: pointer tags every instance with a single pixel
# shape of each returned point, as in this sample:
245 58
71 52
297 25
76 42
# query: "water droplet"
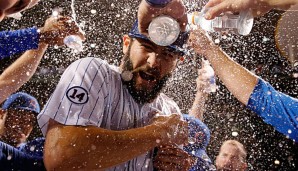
277 162
32 148
235 134
93 11
157 141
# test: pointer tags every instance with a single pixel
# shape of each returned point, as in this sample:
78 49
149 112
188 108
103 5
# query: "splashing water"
74 41
73 11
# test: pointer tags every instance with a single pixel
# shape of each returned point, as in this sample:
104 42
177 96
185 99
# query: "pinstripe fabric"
109 106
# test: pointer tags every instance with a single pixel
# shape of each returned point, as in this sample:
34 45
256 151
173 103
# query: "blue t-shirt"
34 147
18 41
276 109
13 159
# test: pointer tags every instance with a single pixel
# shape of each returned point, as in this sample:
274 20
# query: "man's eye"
148 48
169 55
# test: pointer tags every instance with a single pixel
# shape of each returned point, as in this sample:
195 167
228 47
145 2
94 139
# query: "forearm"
20 71
279 3
236 78
18 160
198 107
95 148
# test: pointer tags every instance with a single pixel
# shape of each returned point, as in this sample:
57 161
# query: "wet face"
151 65
8 7
18 126
229 158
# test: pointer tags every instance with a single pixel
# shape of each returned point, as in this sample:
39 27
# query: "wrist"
43 45
42 35
158 3
156 133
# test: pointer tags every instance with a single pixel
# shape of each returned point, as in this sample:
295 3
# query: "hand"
201 42
203 80
175 9
57 28
258 7
172 129
171 158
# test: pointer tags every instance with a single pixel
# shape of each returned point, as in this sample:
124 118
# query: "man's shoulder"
167 104
165 99
94 63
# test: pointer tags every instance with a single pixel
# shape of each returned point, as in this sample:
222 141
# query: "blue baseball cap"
199 137
22 101
176 47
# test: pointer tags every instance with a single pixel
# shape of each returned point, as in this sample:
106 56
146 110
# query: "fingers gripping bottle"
210 74
238 24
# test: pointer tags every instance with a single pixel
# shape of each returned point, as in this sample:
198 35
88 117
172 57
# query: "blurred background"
106 21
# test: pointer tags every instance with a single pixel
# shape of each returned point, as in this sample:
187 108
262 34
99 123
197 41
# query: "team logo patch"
77 95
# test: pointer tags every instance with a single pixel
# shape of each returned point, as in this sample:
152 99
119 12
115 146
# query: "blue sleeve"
276 109
158 3
13 159
13 42
34 147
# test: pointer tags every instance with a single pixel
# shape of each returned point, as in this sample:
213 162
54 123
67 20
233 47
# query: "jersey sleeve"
79 96
13 42
13 159
276 109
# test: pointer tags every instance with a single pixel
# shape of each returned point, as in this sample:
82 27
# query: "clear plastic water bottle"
239 24
164 30
74 42
210 74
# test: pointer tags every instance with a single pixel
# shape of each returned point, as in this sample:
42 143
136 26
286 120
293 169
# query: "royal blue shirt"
18 41
13 159
276 109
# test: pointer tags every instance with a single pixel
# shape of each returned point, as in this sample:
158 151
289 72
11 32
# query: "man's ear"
126 43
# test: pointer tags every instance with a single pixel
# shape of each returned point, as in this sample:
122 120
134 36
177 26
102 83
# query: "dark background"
224 114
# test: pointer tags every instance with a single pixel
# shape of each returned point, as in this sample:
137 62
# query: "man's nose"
153 60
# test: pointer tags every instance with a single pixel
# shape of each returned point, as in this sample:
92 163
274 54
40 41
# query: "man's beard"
142 96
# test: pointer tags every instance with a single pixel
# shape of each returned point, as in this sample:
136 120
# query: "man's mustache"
147 69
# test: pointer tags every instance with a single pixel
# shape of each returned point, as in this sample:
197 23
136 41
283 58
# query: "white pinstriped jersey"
91 92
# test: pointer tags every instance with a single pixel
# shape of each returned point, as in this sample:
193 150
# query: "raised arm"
198 106
236 78
258 7
275 108
92 148
18 73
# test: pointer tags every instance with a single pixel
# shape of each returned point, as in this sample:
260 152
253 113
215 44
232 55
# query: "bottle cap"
164 30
